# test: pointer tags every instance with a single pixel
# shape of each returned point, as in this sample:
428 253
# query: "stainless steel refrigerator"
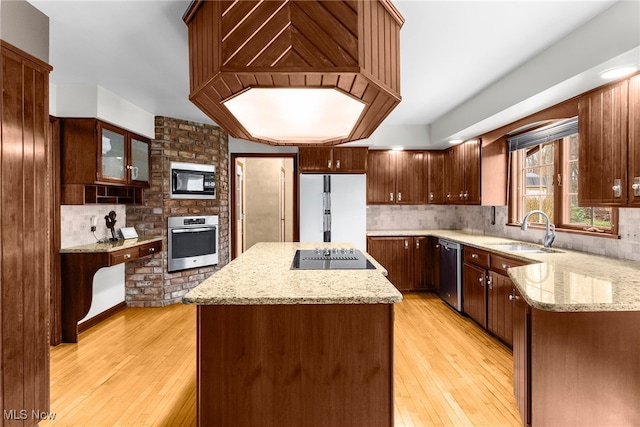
333 208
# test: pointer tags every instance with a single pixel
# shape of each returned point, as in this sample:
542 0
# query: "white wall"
25 27
96 101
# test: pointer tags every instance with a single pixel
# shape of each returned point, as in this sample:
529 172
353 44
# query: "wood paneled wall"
25 238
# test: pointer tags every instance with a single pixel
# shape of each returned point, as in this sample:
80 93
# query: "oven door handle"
193 230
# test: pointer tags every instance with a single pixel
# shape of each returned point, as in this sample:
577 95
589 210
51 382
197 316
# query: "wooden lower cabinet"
499 312
474 293
576 368
521 315
412 263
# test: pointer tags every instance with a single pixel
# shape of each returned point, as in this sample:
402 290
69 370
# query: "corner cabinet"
396 177
102 163
332 160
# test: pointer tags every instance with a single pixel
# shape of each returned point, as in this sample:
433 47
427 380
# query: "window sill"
571 231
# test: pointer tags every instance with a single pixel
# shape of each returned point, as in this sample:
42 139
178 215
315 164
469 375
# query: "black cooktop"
330 259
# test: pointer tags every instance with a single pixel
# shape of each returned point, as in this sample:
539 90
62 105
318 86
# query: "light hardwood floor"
138 369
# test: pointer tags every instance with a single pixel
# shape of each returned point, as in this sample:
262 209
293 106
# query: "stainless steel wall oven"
192 241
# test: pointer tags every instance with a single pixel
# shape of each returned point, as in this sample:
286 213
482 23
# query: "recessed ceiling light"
618 72
455 141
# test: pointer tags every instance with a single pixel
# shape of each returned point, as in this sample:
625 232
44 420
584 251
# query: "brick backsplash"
75 223
148 283
477 219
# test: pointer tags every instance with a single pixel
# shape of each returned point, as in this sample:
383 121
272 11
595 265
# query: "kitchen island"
282 347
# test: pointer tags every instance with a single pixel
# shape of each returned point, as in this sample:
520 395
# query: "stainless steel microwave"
193 181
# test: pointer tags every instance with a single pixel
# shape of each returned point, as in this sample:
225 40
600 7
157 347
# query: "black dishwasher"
451 273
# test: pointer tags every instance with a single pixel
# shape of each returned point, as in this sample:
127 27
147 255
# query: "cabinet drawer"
124 255
476 256
501 264
150 248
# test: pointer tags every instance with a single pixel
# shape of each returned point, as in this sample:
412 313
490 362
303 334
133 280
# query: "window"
544 176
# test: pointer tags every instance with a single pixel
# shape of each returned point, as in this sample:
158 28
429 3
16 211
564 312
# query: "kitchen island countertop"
563 281
262 276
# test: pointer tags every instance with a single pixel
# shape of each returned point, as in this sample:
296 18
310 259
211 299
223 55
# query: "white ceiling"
450 50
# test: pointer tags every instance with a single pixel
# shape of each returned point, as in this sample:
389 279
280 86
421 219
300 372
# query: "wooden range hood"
351 46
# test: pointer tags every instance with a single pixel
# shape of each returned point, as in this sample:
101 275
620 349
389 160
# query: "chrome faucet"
550 234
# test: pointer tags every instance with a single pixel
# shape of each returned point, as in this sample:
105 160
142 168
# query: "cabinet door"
433 263
473 291
411 184
602 128
112 154
521 356
499 312
472 172
634 141
140 161
315 159
454 175
381 173
395 255
435 182
423 264
350 159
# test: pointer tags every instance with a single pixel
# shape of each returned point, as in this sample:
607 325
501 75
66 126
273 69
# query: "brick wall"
148 284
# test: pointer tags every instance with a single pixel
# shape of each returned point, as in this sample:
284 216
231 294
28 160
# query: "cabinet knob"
337 164
506 266
328 164
617 188
431 196
481 280
417 244
399 197
461 195
466 195
406 244
490 282
127 256
437 246
391 197
152 249
474 255
512 297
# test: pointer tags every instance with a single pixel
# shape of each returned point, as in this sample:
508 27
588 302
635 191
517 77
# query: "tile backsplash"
75 223
477 219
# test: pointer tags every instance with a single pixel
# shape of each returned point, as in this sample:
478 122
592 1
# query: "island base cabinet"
295 365
585 368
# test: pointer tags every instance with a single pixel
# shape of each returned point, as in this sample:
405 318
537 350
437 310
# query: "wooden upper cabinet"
435 168
381 177
634 141
333 160
472 172
396 177
602 127
95 152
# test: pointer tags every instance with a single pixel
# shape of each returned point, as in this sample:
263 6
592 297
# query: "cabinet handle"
417 244
474 256
431 196
406 244
127 256
437 246
399 197
461 196
448 196
506 266
391 197
481 279
617 188
466 195
328 164
337 164
490 282
512 297
636 186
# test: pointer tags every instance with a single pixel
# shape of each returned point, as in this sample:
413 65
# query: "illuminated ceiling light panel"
296 114
618 72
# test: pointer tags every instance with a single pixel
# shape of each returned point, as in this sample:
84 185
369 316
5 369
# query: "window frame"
516 189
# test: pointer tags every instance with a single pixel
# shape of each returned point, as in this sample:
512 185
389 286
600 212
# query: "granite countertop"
565 280
262 276
110 246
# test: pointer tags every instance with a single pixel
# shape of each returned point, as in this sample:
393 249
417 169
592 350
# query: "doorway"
263 200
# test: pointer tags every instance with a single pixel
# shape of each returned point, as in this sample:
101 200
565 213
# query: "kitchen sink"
519 247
